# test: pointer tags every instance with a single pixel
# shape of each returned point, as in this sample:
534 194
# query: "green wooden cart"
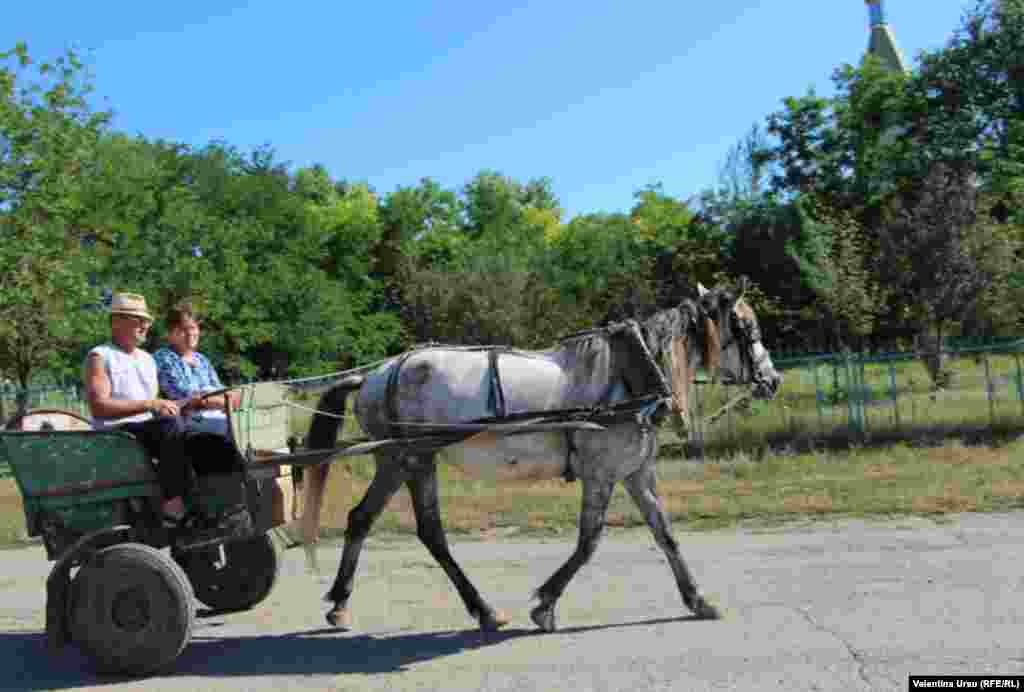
93 498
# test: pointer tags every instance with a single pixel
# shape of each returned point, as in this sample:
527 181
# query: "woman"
185 375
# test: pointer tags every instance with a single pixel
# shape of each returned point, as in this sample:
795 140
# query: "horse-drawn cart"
94 498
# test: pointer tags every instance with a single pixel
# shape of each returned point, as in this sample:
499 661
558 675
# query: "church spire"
882 43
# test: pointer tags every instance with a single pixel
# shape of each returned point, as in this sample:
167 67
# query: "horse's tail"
323 433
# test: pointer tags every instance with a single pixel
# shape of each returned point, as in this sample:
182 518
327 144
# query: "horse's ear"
701 291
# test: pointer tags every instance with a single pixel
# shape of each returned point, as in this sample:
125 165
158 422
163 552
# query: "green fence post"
895 396
1020 383
862 396
989 392
852 420
849 394
818 396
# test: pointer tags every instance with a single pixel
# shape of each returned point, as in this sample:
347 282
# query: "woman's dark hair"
177 315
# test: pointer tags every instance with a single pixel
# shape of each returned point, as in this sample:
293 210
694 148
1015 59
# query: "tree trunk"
934 358
21 396
21 402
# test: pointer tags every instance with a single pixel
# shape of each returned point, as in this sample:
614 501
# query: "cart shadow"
312 652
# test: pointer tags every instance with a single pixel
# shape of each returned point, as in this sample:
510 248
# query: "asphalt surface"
829 606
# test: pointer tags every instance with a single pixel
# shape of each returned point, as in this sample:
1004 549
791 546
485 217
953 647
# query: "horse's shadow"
311 652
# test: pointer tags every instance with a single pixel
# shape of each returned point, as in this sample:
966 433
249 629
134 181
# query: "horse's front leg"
426 505
386 481
597 493
642 486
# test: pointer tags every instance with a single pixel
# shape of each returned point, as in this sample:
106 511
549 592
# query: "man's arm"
97 394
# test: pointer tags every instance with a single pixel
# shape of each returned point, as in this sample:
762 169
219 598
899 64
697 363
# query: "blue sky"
602 97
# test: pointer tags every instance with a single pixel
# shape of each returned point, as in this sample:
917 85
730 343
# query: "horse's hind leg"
596 496
386 481
423 490
642 487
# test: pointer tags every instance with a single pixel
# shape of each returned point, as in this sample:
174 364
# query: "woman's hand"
218 402
164 407
192 403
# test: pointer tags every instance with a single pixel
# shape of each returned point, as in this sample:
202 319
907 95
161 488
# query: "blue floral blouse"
181 380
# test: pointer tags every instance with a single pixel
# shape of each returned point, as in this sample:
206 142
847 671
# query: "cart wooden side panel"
77 480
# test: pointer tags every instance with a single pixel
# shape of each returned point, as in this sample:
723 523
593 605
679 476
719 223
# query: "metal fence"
861 396
853 395
63 395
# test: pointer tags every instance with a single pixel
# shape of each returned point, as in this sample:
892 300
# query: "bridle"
747 333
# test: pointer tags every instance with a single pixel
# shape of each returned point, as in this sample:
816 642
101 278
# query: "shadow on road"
313 652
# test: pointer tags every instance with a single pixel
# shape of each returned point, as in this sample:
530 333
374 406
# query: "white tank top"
132 377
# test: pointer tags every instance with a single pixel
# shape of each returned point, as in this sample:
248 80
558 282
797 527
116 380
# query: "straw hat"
129 304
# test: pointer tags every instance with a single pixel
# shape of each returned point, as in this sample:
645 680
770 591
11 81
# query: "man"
121 390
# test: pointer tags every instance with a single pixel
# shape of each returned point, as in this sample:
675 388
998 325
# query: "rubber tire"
118 637
247 578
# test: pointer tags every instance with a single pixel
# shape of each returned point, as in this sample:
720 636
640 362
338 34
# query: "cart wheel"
131 609
237 579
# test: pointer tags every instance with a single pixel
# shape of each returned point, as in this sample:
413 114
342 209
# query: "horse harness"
645 408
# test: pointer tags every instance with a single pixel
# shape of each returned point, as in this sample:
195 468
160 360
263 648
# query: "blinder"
745 331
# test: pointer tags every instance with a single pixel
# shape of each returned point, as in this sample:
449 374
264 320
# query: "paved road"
838 606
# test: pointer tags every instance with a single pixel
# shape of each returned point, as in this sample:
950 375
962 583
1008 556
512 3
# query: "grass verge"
776 488
772 489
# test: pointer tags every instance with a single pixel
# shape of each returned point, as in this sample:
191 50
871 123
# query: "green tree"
659 218
837 266
941 257
602 269
419 226
974 91
48 139
742 174
508 216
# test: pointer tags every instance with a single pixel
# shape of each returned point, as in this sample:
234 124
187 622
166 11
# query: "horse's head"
743 359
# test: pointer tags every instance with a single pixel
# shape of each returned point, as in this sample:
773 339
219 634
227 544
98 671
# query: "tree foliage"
48 137
885 211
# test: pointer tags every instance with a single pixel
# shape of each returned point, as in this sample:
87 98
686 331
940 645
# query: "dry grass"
898 480
771 489
736 487
12 513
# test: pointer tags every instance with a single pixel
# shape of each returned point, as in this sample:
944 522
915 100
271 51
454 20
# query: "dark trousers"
164 438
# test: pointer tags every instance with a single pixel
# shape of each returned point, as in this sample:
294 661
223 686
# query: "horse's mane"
662 340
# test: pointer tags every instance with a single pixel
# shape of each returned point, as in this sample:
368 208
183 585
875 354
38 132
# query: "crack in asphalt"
856 655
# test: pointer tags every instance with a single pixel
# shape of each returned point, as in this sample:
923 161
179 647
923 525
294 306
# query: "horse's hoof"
704 610
340 618
544 617
493 620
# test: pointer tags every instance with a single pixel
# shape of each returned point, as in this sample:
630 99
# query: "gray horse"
616 376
